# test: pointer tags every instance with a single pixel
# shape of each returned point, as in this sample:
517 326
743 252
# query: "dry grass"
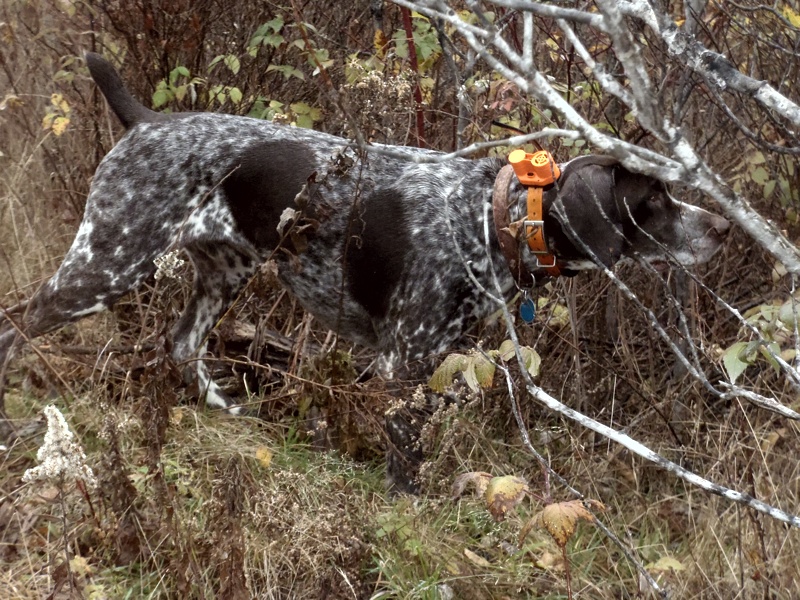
241 507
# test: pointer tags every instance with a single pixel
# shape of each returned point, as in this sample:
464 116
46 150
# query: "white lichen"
60 457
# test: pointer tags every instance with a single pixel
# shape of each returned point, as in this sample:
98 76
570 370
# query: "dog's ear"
585 215
632 189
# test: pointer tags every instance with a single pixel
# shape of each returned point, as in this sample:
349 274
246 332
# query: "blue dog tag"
527 310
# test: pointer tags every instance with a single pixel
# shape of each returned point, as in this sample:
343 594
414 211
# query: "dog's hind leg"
220 272
103 264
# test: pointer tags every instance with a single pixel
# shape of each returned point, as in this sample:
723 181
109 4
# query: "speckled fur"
382 264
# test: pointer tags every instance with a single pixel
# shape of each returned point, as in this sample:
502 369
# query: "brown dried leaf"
289 215
503 494
479 478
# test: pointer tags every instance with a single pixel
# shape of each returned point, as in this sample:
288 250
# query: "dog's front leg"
220 272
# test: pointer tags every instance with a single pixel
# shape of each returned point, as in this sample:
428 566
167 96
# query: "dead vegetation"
289 502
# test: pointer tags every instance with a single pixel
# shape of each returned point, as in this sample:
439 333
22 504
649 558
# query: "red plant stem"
412 56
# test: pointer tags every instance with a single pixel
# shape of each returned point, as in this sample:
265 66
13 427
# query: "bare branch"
711 65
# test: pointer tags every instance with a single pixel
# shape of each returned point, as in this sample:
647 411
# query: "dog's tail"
129 110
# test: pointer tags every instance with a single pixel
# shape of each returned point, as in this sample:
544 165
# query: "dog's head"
600 212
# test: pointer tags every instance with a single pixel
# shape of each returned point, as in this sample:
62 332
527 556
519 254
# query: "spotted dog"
381 259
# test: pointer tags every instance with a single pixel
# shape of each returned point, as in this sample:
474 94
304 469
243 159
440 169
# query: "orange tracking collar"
535 171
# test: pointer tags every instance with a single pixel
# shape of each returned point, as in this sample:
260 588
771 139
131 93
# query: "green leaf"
275 24
304 121
64 76
180 92
769 187
273 39
484 370
300 108
776 351
443 376
506 350
400 44
236 95
733 361
160 98
287 71
232 62
789 313
760 175
533 361
262 30
470 376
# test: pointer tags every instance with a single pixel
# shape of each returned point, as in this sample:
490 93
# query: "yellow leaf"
177 416
379 43
503 494
549 560
531 358
79 566
476 558
60 125
47 122
60 103
561 518
6 33
791 16
264 456
443 376
772 438
666 564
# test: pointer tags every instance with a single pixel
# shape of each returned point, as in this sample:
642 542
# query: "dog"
377 246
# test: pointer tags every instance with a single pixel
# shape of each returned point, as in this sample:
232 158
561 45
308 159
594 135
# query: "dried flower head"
168 265
60 457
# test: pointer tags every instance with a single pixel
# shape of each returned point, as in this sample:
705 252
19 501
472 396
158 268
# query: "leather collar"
530 228
502 221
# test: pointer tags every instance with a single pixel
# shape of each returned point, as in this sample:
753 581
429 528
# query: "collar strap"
507 233
535 171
